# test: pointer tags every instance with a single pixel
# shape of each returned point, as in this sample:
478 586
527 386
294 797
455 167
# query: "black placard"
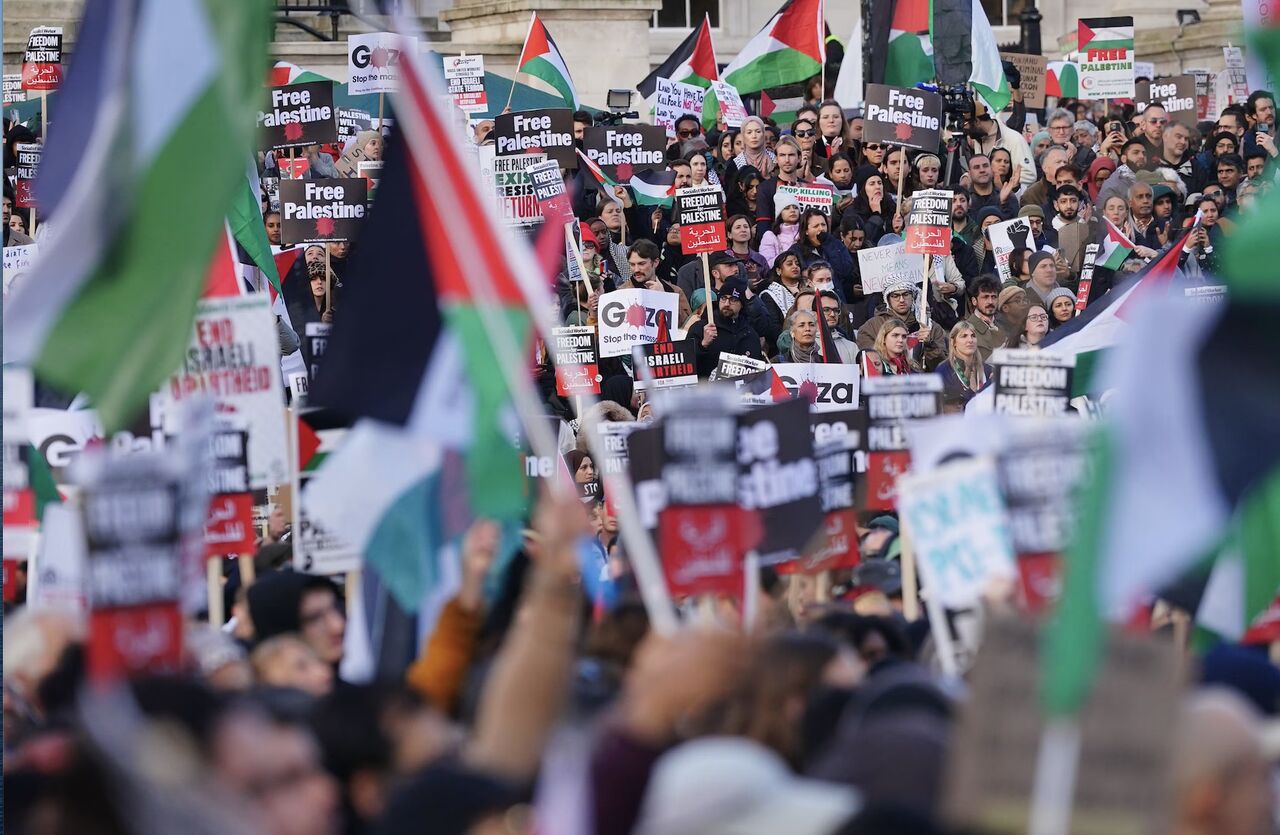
315 211
635 147
299 115
669 364
229 450
529 131
779 478
903 116
1031 383
132 530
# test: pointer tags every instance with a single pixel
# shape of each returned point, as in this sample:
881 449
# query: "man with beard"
986 134
731 332
1073 232
982 298
900 303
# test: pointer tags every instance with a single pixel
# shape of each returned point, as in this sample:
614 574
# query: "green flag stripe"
541 68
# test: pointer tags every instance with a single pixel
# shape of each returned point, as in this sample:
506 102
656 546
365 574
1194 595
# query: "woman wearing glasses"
1033 332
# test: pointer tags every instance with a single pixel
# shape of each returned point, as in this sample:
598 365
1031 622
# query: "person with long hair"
1033 330
963 373
891 353
1062 307
833 130
775 298
741 230
816 245
872 203
741 192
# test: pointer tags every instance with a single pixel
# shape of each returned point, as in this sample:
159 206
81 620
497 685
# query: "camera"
618 101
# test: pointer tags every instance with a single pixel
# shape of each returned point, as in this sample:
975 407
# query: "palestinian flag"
245 221
541 58
1089 336
432 444
781 108
693 62
1188 458
654 188
1239 601
1104 33
965 50
108 307
604 182
283 73
790 48
901 42
1062 79
1115 247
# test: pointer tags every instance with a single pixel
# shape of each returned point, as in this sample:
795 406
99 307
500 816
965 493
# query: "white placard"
630 317
373 61
833 386
675 99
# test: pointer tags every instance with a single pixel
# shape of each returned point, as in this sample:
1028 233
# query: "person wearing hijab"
1099 170
755 150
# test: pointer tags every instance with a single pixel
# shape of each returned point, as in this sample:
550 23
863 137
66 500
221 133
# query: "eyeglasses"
803 134
874 146
1156 120
688 133
826 309
1037 317
1059 127
900 295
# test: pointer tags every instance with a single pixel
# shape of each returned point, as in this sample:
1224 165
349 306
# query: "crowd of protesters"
529 708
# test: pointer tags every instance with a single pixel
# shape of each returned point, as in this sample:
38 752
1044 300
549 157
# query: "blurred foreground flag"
146 150
1187 460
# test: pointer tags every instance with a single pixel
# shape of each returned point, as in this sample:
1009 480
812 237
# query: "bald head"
1221 781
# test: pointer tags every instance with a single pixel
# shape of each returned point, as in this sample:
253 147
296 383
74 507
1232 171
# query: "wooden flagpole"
213 577
706 283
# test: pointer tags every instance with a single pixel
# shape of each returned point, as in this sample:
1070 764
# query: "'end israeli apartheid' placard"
903 116
549 131
299 115
315 211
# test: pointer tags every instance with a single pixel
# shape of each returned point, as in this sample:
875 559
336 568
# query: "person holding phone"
1202 248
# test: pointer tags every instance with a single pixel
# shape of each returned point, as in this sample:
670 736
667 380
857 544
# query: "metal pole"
1030 20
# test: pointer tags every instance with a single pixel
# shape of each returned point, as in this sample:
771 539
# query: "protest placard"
732 111
549 191
42 60
1005 237
315 211
622 150
13 91
890 402
513 187
700 213
1032 383
881 266
736 365
828 387
57 579
143 515
1237 78
701 531
614 442
844 426
548 131
1032 68
837 437
1203 293
1144 69
929 224
1176 94
675 99
905 117
464 75
28 165
630 317
17 260
956 519
661 365
1106 57
299 115
1203 79
234 357
370 170
20 522
317 549
576 358
779 478
315 342
1125 757
373 61
818 197
351 121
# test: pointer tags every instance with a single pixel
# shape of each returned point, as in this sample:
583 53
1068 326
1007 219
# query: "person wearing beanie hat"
900 305
1043 278
730 332
1062 306
1011 310
785 230
1040 236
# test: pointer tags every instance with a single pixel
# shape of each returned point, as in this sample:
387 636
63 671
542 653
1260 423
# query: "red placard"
10 581
24 194
840 551
228 528
1039 581
700 550
132 640
19 508
883 469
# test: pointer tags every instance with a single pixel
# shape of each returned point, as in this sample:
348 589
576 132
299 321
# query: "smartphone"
1263 127
1115 127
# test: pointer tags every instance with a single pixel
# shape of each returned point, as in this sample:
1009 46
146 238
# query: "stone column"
605 43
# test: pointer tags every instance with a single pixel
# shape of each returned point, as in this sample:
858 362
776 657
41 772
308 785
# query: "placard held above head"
903 116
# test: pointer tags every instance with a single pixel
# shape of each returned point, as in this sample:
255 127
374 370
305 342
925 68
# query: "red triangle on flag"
536 44
766 105
1083 35
222 279
776 389
308 444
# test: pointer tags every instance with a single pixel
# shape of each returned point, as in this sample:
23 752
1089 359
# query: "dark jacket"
955 393
932 352
735 336
834 253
